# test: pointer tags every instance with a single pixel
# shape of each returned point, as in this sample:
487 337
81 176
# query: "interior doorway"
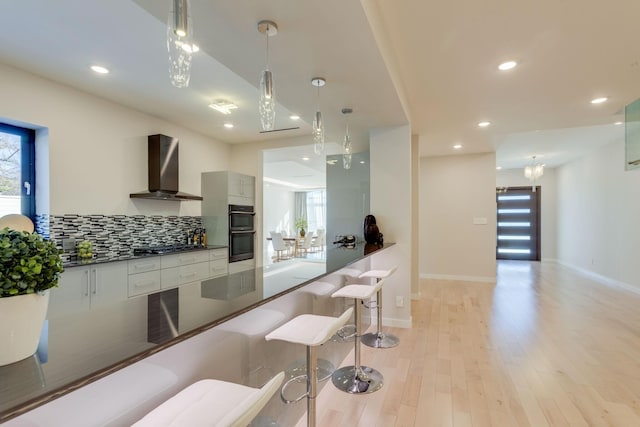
518 219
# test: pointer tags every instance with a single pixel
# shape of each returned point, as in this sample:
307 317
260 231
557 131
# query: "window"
316 209
17 171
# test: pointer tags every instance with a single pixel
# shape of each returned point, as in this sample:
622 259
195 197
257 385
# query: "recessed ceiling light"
305 159
498 168
294 117
507 65
100 70
362 162
617 123
222 106
228 125
483 124
457 146
599 100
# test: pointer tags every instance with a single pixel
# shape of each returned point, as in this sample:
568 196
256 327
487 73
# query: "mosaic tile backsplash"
116 235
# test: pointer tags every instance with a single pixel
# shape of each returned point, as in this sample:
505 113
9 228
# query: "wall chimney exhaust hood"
163 171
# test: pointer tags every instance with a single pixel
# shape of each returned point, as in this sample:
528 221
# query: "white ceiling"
429 64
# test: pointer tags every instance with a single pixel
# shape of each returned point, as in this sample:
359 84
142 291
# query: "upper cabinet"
228 188
241 189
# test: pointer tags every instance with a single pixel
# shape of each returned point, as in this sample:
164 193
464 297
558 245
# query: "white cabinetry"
144 276
219 190
241 189
86 287
155 273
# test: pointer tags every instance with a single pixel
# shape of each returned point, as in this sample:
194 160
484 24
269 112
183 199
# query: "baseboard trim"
397 323
460 278
604 280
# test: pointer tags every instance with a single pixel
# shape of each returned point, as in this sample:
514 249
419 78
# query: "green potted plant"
29 266
301 225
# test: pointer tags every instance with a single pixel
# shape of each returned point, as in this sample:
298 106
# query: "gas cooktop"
163 249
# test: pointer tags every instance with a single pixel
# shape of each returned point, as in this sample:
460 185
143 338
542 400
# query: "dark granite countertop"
112 258
87 342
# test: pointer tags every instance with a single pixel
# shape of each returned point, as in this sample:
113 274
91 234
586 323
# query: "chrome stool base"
324 369
367 380
379 340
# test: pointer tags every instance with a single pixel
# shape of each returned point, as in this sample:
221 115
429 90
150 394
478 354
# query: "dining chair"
306 243
278 245
318 243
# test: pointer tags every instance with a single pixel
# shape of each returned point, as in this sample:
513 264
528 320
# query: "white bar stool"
311 330
208 403
357 379
379 339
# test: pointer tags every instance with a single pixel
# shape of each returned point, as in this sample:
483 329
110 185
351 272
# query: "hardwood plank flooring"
545 346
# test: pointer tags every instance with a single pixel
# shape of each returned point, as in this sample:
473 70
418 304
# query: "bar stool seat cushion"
212 403
309 329
358 291
378 273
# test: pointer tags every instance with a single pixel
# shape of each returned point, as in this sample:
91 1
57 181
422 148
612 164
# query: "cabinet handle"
184 276
95 281
143 284
140 266
86 289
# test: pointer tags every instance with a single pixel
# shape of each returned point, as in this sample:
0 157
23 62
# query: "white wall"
548 205
598 213
278 213
391 203
98 149
453 191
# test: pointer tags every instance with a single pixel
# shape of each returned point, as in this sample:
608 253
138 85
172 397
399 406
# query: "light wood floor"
543 347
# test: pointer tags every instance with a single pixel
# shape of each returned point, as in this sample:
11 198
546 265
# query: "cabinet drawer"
144 283
217 254
176 260
218 268
175 276
143 265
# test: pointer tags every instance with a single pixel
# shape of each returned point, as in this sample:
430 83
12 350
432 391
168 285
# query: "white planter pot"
21 320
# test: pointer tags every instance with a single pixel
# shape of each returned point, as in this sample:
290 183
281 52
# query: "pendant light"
267 102
318 124
346 144
534 172
180 43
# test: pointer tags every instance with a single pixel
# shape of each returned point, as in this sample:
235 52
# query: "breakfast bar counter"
95 341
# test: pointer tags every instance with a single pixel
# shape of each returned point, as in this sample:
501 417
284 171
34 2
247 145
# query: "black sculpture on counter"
372 234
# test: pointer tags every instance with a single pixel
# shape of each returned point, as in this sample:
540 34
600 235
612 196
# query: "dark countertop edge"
88 379
71 264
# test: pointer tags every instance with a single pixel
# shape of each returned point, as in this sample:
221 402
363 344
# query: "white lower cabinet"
176 276
155 273
85 287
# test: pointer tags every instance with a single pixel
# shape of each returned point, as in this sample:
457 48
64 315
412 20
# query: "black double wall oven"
241 232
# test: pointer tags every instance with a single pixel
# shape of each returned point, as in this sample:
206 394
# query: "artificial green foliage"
28 263
301 224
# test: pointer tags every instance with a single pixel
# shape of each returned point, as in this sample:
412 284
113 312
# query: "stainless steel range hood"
163 171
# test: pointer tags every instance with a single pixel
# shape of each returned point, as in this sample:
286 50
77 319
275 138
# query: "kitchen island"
154 344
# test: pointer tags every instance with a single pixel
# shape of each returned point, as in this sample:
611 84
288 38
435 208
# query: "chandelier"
318 124
346 144
180 43
267 101
534 172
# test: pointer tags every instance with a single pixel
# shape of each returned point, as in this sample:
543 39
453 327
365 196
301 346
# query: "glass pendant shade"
346 157
267 102
180 43
318 133
533 172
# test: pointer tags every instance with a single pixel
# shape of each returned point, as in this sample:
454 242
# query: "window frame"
27 166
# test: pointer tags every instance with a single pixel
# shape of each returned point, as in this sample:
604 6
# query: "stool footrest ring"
297 379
